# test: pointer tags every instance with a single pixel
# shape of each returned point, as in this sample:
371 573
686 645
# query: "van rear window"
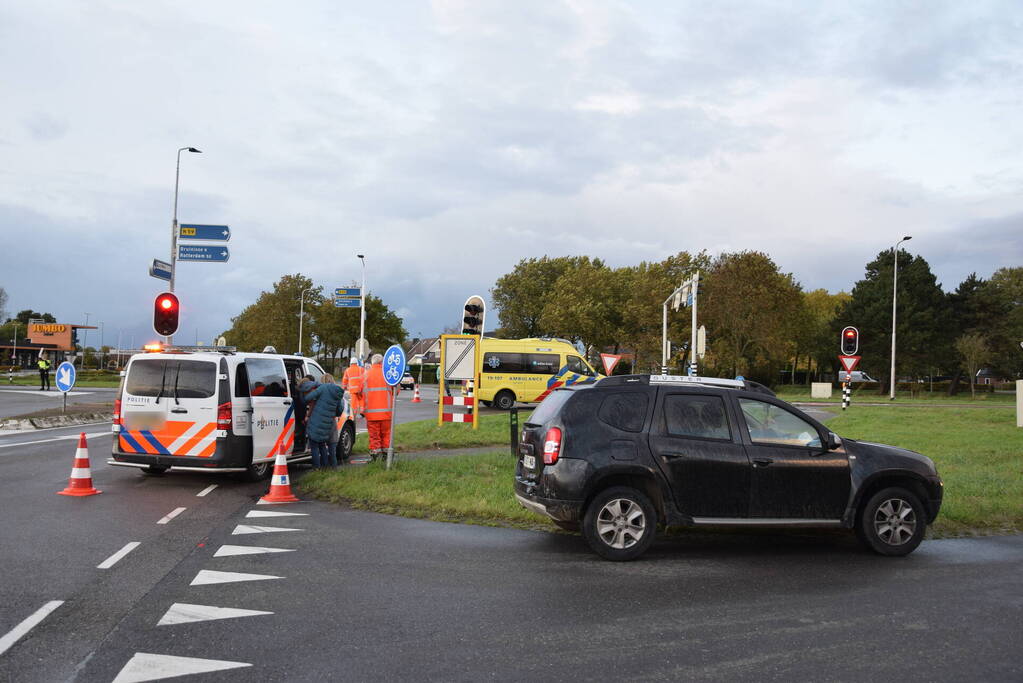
171 377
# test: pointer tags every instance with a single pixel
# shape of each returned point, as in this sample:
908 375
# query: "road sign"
160 269
202 252
394 364
346 303
701 341
849 363
609 360
459 357
347 292
210 233
65 377
362 348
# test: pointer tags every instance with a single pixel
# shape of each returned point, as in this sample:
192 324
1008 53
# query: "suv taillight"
551 446
224 416
117 410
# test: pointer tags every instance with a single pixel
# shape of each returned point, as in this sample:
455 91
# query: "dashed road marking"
27 625
231 550
206 490
144 666
247 529
69 437
274 513
184 613
207 576
171 515
113 559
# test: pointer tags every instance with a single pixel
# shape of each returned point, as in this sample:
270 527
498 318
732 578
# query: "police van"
213 409
526 370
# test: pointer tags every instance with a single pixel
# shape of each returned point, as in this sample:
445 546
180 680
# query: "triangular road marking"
229 550
183 613
246 529
206 576
274 513
144 666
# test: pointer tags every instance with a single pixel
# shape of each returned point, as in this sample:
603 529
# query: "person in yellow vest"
44 374
377 409
351 381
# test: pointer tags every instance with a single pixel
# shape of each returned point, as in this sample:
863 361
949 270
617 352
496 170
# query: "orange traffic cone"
415 396
280 483
80 483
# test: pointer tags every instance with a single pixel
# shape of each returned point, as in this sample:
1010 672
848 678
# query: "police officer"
44 374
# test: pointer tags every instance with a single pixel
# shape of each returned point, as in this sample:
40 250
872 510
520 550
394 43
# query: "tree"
28 314
521 295
1006 286
751 311
338 328
587 303
974 350
273 319
817 338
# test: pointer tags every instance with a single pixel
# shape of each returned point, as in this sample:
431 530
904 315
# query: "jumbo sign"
55 334
48 328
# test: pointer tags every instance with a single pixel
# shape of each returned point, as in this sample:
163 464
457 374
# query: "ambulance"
213 409
526 370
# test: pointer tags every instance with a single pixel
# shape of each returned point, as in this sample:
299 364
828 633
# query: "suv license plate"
529 461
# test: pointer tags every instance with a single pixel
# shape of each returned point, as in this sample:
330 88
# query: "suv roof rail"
719 382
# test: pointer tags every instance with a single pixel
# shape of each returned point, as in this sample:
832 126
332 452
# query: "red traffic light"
850 333
850 342
165 314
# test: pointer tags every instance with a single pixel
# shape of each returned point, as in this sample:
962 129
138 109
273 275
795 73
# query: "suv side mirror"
834 441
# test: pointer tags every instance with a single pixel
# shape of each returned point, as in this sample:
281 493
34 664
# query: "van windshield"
193 378
550 406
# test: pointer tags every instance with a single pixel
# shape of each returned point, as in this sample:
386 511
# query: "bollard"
1019 403
513 425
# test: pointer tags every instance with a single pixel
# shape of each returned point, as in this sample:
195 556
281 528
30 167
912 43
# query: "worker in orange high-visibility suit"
351 382
377 408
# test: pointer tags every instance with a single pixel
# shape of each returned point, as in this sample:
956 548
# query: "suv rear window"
625 411
549 407
181 378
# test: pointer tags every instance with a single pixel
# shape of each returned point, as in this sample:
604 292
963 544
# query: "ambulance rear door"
273 423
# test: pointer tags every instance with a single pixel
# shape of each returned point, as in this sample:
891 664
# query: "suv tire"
505 400
620 523
892 522
345 443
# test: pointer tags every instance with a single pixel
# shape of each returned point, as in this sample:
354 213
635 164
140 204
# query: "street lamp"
895 288
362 309
101 357
174 223
85 337
301 317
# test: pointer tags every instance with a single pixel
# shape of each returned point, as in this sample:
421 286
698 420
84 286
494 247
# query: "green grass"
922 397
89 378
425 435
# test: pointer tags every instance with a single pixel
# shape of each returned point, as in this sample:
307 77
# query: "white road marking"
206 490
27 625
144 666
47 394
272 513
183 613
171 515
246 529
208 576
113 559
229 550
69 437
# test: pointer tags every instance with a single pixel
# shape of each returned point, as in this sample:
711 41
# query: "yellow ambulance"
526 370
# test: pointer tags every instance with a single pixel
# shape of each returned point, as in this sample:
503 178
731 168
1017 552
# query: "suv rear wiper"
163 379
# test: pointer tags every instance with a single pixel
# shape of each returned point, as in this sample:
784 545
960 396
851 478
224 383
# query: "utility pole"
174 225
301 317
362 311
683 295
895 289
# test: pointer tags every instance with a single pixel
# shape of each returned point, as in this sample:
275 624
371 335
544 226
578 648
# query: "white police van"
213 409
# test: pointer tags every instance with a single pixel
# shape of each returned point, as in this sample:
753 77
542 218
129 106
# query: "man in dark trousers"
44 374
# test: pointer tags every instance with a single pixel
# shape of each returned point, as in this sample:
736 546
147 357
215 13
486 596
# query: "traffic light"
165 314
850 341
473 316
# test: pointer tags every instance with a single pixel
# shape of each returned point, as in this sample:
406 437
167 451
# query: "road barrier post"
1019 403
513 425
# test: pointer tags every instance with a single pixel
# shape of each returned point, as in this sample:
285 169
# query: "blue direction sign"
394 364
65 376
347 303
348 292
210 233
202 252
160 269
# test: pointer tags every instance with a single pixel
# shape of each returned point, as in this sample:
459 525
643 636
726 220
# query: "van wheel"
345 442
258 471
892 522
487 403
505 400
154 470
620 523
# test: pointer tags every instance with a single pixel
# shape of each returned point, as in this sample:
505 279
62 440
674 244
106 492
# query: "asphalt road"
363 596
19 400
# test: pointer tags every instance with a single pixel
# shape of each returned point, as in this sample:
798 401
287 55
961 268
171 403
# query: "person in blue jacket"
324 406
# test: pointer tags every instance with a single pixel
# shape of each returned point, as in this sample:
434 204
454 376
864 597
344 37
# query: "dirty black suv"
617 458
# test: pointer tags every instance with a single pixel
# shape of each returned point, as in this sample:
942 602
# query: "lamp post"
85 337
174 223
101 356
362 308
895 289
301 317
14 354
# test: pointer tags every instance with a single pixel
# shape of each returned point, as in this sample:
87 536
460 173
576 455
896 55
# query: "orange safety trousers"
379 434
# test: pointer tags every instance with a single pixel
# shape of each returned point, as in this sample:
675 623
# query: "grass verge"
425 435
870 395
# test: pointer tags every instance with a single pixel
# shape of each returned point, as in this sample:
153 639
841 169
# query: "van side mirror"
834 441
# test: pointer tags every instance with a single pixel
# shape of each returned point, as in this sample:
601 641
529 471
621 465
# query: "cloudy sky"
447 140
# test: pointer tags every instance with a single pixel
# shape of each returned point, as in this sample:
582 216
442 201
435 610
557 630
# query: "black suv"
621 456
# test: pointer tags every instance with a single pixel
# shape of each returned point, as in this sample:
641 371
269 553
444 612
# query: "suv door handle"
762 462
247 410
287 401
179 410
672 454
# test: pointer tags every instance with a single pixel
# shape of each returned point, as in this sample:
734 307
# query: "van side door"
273 422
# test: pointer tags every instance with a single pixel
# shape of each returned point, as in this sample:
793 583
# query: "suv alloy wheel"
620 523
892 522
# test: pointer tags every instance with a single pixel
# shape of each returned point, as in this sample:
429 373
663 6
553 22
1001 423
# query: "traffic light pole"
695 289
692 286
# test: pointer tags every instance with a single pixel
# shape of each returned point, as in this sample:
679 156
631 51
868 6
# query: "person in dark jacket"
324 404
300 411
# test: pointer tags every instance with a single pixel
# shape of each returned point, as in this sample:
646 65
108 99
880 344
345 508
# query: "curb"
52 421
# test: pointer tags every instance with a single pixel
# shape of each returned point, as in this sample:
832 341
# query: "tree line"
762 323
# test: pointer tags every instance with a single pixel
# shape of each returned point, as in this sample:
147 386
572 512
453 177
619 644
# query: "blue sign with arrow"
65 377
202 252
160 269
210 233
348 291
394 364
347 303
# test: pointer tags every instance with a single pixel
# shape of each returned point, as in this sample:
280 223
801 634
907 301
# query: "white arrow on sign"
64 376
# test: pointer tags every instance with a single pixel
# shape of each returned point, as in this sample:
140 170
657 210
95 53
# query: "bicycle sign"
394 365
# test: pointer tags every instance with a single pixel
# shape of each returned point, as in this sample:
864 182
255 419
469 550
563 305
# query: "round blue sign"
65 376
394 365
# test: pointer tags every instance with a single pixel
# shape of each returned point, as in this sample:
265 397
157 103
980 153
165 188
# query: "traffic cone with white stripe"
280 483
415 396
80 483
